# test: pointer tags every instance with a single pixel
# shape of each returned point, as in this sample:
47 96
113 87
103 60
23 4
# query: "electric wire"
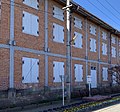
103 13
108 10
113 7
39 10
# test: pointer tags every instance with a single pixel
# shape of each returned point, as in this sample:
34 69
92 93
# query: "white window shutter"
61 34
32 3
81 72
113 39
35 25
35 70
104 35
58 33
58 13
26 22
27 2
92 29
61 66
30 70
105 74
56 71
78 73
104 49
26 70
94 45
30 24
77 23
113 52
78 40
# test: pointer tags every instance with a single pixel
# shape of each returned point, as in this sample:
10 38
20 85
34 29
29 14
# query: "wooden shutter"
77 22
58 33
58 13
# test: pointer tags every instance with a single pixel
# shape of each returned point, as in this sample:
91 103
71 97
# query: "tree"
115 74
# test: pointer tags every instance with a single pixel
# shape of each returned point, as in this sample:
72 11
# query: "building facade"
33 45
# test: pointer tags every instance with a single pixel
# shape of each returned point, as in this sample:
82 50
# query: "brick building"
33 45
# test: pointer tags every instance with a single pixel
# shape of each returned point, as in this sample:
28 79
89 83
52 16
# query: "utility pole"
68 61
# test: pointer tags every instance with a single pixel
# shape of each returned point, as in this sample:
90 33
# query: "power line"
113 7
103 12
20 5
108 10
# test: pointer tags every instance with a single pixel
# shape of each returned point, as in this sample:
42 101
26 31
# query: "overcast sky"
107 10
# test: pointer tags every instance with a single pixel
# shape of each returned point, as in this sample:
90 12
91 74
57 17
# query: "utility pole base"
11 93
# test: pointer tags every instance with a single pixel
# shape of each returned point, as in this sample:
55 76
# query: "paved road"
113 108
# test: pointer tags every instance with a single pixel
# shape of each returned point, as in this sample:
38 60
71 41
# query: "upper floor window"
92 29
30 70
58 13
104 49
119 42
113 39
32 3
58 69
77 23
58 33
30 24
113 52
104 35
93 45
78 40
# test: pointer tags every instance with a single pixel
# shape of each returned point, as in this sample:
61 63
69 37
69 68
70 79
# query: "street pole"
62 77
68 51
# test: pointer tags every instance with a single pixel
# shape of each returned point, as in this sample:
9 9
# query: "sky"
106 10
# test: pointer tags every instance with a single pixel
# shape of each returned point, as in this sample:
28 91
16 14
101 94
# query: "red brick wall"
37 43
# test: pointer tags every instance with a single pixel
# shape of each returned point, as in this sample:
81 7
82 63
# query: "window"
32 3
105 73
58 13
119 42
58 33
78 40
92 45
77 23
58 69
78 72
104 49
104 35
92 29
113 40
30 70
30 24
113 52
